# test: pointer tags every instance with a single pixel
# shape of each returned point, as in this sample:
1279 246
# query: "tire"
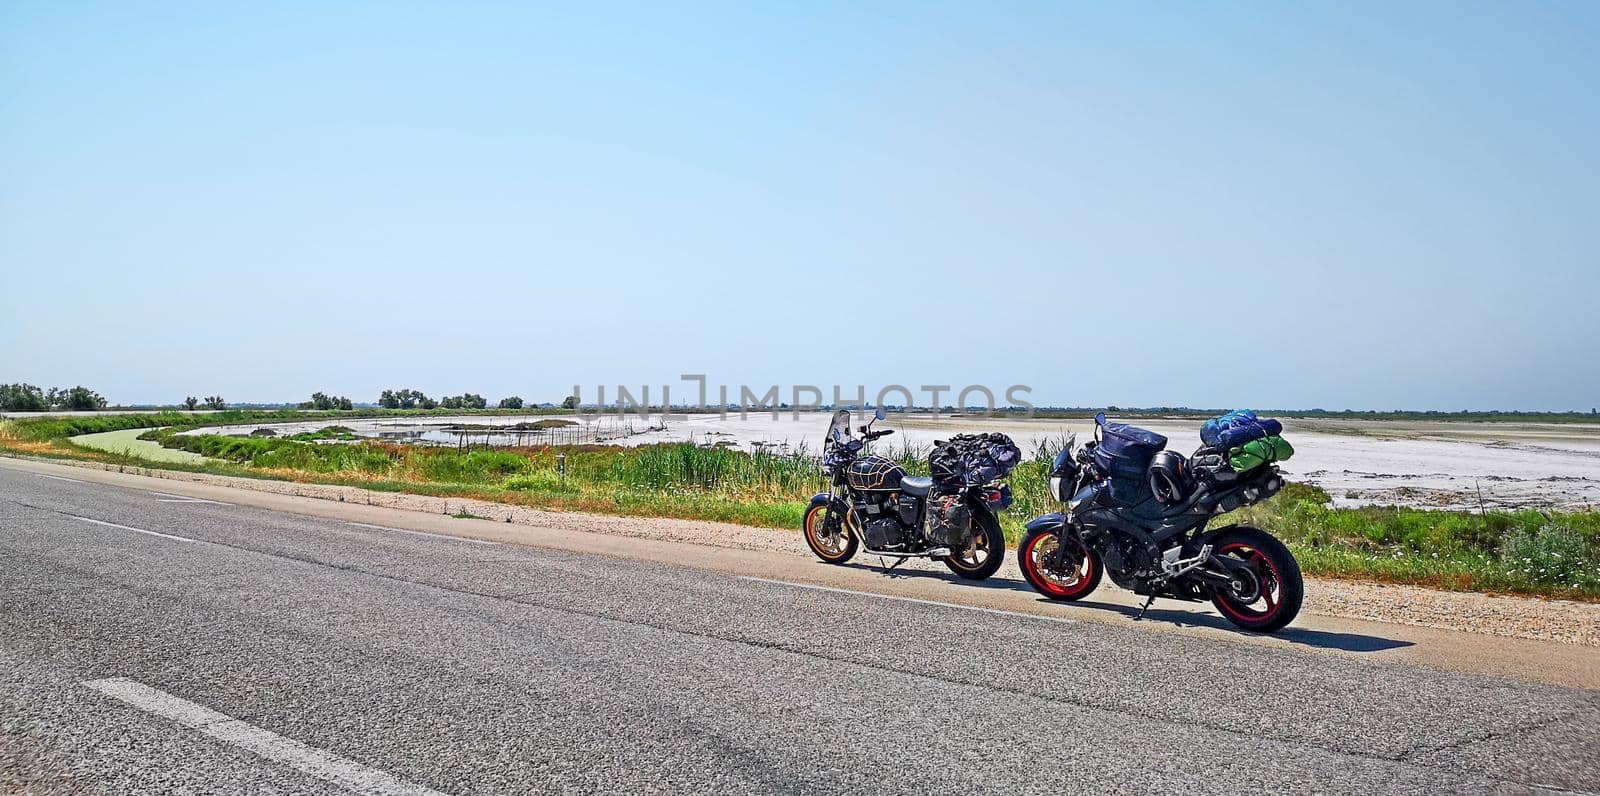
832 548
989 541
1279 585
1036 547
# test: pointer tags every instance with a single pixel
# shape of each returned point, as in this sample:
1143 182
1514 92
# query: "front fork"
833 517
1066 534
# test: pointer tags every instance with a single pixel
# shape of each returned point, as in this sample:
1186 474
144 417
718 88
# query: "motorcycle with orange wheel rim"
876 507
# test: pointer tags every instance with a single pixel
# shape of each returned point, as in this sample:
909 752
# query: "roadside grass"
1531 552
1526 552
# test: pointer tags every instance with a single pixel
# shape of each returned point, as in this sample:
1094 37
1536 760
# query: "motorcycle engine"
880 524
1130 562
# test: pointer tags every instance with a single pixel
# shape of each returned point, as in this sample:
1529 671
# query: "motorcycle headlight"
1055 488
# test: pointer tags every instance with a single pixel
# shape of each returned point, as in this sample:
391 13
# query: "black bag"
972 459
1123 456
1212 469
949 520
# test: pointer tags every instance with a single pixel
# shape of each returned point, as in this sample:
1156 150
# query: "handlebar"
854 446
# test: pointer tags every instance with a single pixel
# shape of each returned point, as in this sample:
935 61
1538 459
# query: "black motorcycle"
1150 536
875 504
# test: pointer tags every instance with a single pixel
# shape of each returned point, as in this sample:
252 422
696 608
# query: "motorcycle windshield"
839 429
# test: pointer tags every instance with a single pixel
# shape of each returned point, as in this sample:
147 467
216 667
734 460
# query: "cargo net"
968 460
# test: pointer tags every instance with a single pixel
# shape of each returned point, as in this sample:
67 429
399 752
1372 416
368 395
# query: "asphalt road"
152 643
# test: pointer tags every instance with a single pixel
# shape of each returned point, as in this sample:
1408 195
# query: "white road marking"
135 530
61 478
421 533
319 763
995 611
183 498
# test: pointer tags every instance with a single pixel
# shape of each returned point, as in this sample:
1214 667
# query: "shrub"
1554 555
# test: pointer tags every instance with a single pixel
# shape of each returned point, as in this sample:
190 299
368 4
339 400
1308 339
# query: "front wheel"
826 535
1265 594
983 556
1071 578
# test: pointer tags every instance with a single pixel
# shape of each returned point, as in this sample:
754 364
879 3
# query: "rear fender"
983 515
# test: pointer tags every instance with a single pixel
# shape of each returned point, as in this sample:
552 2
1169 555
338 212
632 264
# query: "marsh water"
500 431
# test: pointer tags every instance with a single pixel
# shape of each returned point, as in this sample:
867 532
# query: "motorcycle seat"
915 485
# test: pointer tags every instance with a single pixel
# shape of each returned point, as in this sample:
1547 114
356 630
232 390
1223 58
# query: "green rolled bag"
1256 453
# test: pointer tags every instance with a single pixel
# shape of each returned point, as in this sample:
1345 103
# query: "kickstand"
890 568
1148 600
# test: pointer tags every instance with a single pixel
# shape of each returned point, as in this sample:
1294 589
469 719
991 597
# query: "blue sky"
1339 205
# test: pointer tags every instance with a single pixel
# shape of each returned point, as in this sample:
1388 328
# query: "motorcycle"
875 505
1158 549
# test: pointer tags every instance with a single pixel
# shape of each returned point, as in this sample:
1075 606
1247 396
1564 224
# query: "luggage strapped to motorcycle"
1123 456
968 460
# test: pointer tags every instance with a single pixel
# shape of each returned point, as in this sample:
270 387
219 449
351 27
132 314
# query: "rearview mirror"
879 414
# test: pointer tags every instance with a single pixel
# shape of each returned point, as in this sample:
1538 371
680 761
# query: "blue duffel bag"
1236 428
1211 430
1123 456
1234 436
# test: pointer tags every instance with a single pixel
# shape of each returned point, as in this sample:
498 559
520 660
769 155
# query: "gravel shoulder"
1495 615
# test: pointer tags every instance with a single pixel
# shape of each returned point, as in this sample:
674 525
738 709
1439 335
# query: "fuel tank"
874 473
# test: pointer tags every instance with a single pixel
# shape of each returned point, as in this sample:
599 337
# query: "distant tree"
79 399
405 399
22 398
570 403
326 402
345 404
190 403
511 403
464 401
215 402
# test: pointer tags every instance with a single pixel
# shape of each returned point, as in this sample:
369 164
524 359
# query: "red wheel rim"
1050 583
1269 592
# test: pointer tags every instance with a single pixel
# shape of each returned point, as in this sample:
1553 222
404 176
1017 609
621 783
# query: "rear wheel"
826 535
1265 594
1070 579
985 554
